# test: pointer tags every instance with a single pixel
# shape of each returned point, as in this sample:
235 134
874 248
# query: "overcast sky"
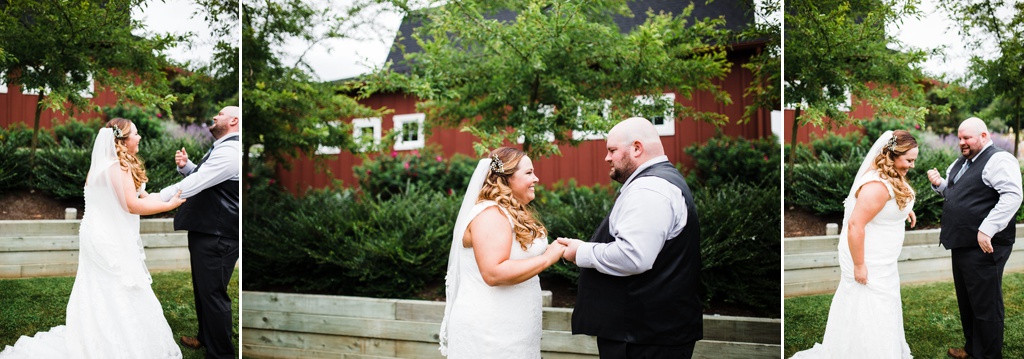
175 16
338 59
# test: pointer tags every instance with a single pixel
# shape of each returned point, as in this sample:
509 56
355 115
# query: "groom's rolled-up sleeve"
1002 173
224 164
643 221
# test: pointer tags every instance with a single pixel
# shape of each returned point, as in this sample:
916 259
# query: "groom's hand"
985 242
934 177
570 248
181 157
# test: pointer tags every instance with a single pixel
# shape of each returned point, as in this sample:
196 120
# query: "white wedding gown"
866 321
495 322
112 312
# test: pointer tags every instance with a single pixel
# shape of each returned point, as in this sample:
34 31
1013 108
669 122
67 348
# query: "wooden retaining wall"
812 266
284 325
45 248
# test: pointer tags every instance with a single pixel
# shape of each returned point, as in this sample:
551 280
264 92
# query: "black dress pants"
978 277
213 261
612 349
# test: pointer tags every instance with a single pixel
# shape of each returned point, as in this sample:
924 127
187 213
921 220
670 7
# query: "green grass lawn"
931 319
31 305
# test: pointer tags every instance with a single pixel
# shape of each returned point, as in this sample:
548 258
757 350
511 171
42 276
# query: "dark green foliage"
334 242
840 147
803 153
62 170
20 135
158 155
76 133
734 159
876 126
928 204
14 168
741 245
821 186
146 120
386 176
572 211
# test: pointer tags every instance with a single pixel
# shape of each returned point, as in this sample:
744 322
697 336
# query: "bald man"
211 219
981 199
640 272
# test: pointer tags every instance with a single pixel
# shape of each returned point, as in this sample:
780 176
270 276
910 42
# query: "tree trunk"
792 134
35 130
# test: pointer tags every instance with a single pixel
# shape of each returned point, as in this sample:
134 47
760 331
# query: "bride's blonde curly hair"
901 142
504 163
129 162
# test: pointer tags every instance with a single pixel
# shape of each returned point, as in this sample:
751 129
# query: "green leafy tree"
211 84
58 47
287 110
766 64
557 67
1001 74
839 49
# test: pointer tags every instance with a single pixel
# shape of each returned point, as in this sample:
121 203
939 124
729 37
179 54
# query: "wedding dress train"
112 312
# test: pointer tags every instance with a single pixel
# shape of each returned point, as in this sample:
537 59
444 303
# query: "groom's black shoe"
191 342
958 353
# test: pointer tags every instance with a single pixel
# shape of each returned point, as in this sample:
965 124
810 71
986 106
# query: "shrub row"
821 186
62 160
341 242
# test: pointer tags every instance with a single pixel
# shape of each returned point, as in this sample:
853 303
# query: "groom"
982 194
640 273
211 219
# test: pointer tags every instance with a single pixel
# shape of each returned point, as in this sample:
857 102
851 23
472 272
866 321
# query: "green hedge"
821 186
333 242
62 161
341 242
386 175
14 168
725 159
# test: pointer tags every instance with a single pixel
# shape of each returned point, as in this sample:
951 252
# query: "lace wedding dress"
112 312
866 321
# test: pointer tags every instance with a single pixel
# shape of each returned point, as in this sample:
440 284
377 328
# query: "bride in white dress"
112 312
866 316
493 304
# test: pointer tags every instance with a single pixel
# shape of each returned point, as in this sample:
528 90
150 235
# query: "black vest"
966 204
213 210
661 306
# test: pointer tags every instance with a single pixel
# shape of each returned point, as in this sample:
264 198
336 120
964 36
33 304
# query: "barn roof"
738 16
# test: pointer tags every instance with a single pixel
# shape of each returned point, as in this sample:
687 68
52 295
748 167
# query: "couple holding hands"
639 273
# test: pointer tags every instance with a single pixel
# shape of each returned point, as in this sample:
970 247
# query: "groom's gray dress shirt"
1002 173
648 212
224 164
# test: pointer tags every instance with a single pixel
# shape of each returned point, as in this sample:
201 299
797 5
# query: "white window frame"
88 92
587 135
3 82
326 150
844 107
547 111
668 128
359 124
400 121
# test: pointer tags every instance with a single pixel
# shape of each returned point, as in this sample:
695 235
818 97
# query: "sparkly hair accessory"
497 165
117 132
892 144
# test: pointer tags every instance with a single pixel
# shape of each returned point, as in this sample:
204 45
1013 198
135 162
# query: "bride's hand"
912 218
555 250
860 273
176 201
